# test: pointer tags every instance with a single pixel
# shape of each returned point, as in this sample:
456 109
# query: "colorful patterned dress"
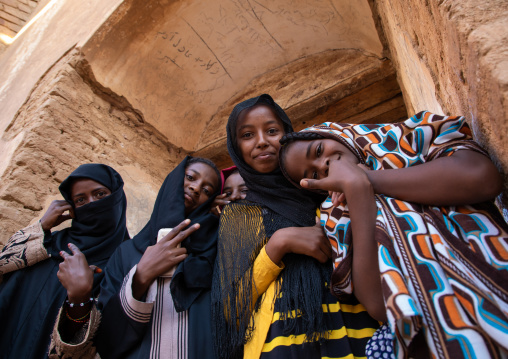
444 270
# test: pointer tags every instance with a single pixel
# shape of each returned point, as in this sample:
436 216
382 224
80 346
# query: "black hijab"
271 189
31 297
280 205
194 274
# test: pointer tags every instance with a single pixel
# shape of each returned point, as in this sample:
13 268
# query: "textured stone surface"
70 119
156 79
451 57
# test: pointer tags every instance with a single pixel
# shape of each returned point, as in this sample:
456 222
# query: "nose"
236 195
262 140
323 167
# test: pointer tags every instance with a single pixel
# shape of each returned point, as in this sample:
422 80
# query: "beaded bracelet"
79 304
81 320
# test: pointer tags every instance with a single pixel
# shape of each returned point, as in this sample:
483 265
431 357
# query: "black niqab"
31 297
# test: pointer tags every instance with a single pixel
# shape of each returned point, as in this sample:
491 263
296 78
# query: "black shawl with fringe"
272 203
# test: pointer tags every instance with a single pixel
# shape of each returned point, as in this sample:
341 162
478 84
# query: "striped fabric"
352 328
169 329
444 270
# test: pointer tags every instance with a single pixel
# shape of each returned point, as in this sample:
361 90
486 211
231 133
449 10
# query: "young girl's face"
258 133
85 190
235 187
199 184
311 159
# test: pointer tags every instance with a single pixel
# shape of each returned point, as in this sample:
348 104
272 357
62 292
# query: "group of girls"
267 268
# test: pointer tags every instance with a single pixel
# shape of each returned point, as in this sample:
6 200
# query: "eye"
314 175
79 201
101 194
189 177
228 194
273 131
247 135
319 150
207 191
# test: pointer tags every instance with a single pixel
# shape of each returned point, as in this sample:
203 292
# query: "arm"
158 259
348 178
26 247
310 241
465 177
23 249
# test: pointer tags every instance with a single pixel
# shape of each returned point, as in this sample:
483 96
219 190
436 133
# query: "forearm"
466 177
365 267
23 249
264 272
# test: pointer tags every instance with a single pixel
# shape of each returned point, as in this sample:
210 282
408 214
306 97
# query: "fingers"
95 269
64 254
74 249
184 234
174 232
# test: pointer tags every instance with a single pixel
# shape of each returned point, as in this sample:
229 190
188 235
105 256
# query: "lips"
188 197
264 156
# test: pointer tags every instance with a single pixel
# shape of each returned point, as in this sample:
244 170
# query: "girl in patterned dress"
415 234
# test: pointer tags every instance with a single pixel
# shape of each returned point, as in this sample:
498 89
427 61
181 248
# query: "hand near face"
161 257
76 275
219 202
55 214
341 176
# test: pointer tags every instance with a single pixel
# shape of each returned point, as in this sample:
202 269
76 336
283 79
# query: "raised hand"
161 257
76 275
55 214
218 203
342 175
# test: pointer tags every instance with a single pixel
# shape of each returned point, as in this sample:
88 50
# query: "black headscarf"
190 283
194 274
281 205
271 189
31 297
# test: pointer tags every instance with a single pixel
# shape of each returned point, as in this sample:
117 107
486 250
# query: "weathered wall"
179 62
70 119
347 85
157 79
451 57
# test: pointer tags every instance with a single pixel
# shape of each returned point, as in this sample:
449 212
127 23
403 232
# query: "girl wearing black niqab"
30 293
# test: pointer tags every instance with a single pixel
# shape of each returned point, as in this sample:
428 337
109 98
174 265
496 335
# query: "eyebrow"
207 183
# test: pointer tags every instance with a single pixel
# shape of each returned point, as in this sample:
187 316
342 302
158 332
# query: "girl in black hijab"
272 273
30 293
146 312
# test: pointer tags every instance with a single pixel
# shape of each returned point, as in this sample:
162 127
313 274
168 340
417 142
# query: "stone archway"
140 84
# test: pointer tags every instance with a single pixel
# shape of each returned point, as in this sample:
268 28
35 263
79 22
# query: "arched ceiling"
183 64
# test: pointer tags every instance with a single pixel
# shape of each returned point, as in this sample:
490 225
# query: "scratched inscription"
180 53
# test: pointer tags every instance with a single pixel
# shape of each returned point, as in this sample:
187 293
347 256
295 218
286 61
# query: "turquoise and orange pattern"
444 270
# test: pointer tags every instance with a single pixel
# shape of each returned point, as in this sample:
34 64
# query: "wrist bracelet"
79 304
81 320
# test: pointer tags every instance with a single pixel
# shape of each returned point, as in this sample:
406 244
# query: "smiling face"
311 159
235 187
85 190
257 134
200 183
